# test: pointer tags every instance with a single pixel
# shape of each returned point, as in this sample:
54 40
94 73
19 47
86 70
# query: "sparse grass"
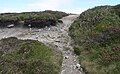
96 34
28 57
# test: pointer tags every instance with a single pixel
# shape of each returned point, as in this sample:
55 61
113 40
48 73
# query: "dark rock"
8 23
60 21
40 23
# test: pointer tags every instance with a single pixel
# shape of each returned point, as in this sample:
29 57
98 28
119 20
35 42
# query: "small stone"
30 29
48 28
74 60
81 69
39 30
36 37
29 25
78 66
57 40
10 26
66 57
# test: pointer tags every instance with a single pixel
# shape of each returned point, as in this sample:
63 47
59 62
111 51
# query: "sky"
69 6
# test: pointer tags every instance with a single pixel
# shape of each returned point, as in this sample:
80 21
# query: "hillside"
35 19
96 35
28 57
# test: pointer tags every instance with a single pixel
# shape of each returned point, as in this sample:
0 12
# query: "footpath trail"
54 36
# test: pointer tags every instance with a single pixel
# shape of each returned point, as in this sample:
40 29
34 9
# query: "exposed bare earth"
55 36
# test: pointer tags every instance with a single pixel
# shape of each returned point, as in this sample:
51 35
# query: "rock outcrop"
39 23
6 23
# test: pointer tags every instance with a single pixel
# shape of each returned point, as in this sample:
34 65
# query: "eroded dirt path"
56 36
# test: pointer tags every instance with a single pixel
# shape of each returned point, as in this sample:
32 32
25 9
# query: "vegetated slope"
28 57
36 19
97 39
